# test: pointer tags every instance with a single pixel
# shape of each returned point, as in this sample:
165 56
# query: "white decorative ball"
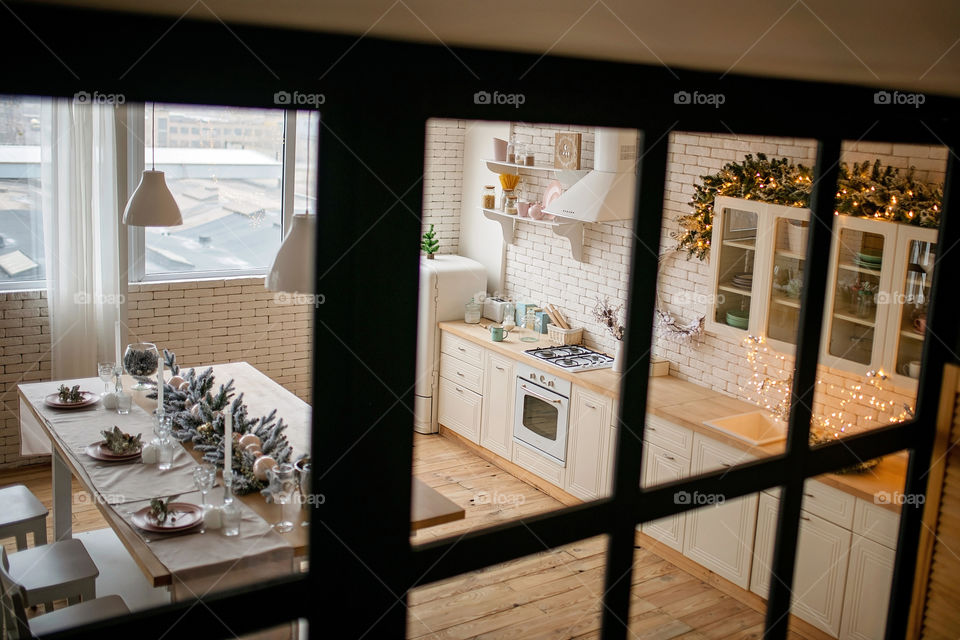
195 410
253 448
109 400
249 438
175 382
183 386
262 464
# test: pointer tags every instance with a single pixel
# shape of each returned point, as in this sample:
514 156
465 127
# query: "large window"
21 220
224 166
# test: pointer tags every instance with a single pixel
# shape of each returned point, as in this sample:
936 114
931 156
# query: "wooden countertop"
688 405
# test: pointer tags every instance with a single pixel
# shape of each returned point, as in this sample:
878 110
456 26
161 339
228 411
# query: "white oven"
542 410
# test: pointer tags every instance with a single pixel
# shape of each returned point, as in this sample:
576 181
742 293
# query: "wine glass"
105 370
282 485
141 361
204 476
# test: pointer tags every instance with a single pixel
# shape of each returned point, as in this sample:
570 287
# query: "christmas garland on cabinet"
197 416
867 191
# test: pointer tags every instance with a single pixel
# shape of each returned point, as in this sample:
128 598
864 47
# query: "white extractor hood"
608 192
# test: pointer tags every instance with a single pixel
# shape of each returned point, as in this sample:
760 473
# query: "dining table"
192 564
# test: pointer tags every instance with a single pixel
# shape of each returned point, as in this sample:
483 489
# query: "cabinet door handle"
459 390
805 518
499 368
724 464
651 428
592 406
668 457
461 349
809 495
460 373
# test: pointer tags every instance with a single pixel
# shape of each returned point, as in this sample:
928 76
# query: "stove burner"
572 357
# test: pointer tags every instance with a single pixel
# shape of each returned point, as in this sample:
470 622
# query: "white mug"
911 369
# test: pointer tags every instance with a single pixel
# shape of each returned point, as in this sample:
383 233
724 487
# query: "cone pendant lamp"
152 204
292 269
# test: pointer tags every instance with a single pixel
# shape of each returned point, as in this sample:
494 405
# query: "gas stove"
572 357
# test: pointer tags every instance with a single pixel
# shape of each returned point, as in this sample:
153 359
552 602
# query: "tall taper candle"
160 387
228 439
119 354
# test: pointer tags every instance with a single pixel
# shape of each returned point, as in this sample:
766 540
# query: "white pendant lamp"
152 204
292 269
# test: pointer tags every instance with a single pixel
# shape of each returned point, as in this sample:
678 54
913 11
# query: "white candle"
160 386
119 355
228 439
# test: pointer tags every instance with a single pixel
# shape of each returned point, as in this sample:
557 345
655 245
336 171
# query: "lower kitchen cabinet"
821 566
499 386
869 578
720 536
459 409
659 467
588 448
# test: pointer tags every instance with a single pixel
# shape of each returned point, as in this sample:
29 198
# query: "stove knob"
533 376
550 383
542 379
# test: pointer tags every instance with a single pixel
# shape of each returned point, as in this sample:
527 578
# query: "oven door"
540 420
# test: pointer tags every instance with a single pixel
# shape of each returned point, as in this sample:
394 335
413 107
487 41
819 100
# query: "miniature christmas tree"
430 243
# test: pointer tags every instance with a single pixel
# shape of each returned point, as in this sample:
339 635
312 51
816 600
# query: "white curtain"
81 214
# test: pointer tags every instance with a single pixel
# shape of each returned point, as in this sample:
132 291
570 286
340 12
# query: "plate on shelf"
554 191
873 266
738 319
99 451
89 399
868 257
185 516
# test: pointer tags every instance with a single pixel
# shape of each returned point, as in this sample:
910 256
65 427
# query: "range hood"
608 192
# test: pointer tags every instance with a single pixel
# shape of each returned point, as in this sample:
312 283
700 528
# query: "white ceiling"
897 44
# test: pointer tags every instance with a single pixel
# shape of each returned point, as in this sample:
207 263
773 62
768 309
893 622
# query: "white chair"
55 571
21 513
13 597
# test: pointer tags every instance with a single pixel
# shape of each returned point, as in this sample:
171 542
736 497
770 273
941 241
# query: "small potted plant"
609 316
430 244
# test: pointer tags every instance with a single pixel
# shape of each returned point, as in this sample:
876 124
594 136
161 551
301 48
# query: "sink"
755 427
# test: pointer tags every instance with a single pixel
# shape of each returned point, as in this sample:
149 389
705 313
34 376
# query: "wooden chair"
21 513
13 597
52 572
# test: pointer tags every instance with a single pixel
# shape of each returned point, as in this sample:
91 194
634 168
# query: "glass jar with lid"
511 152
488 197
510 202
472 312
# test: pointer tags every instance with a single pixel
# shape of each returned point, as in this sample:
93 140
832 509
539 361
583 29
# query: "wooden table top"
261 395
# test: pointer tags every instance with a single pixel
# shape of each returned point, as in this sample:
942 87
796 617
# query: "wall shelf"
572 230
566 176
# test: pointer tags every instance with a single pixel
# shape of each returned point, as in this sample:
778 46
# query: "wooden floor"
554 594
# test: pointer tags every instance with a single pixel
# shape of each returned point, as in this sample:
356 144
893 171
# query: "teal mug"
497 334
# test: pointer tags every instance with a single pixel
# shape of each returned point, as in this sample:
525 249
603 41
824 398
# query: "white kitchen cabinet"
588 446
821 566
720 536
757 251
499 386
659 467
460 409
869 577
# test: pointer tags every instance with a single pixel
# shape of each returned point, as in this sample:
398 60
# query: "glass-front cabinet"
757 256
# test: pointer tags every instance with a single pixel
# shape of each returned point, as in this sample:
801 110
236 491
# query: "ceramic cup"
523 208
499 150
911 369
920 324
497 334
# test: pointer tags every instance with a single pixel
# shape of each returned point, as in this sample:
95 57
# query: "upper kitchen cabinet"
756 260
881 274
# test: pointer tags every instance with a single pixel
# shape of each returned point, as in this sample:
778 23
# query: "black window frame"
379 96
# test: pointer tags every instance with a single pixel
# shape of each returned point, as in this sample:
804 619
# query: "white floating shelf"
566 176
572 230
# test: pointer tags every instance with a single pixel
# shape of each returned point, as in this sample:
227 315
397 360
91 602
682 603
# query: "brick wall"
540 268
443 180
24 357
203 321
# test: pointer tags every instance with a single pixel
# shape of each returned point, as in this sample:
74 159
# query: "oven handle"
537 395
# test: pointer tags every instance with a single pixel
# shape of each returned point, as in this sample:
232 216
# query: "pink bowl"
536 211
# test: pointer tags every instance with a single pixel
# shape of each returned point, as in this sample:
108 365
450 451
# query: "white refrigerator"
446 284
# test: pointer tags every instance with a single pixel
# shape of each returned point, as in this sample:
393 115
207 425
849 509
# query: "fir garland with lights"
867 190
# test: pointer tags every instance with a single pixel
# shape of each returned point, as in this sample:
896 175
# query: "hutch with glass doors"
757 257
879 285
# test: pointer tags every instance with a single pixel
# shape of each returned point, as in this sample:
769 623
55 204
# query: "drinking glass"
141 361
282 485
204 476
165 455
231 518
105 370
124 402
